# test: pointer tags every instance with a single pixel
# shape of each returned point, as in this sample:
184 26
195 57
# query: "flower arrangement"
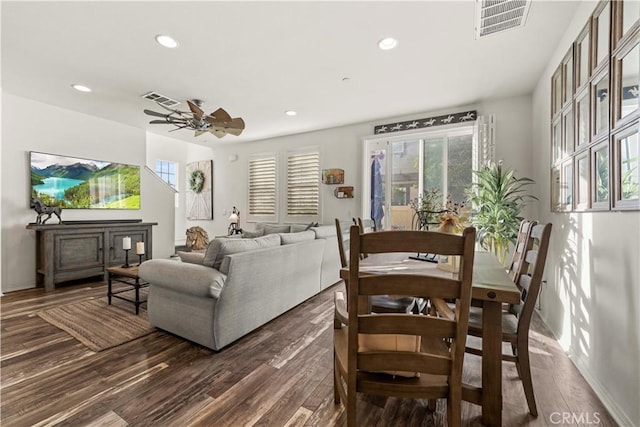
449 223
429 209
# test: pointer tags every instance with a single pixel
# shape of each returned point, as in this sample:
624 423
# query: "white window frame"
164 175
288 218
263 218
385 141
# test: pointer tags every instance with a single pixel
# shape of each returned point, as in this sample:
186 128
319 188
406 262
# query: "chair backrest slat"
342 234
529 285
404 361
414 284
518 264
409 241
406 325
366 225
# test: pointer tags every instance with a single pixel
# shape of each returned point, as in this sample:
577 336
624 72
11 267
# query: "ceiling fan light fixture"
387 43
290 113
81 88
167 41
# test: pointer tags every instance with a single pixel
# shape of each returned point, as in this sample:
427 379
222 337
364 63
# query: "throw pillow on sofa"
303 236
219 248
297 228
252 234
191 257
275 229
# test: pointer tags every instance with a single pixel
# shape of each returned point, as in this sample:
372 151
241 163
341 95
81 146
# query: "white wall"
162 148
341 147
33 126
592 299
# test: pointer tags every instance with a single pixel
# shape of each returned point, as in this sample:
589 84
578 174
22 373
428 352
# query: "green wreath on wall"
196 181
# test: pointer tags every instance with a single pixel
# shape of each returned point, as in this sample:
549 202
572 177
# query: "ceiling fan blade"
235 126
181 113
232 131
218 131
236 123
159 122
220 115
178 128
155 114
197 111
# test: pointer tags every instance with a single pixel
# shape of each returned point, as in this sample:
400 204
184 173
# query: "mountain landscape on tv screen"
84 185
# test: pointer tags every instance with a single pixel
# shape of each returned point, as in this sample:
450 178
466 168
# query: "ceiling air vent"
494 16
160 99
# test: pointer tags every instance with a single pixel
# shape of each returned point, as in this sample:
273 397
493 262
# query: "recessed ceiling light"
290 113
387 43
81 88
167 41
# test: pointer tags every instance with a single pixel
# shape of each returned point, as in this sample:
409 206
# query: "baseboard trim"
607 400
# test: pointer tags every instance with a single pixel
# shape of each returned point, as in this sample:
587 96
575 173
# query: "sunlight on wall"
573 277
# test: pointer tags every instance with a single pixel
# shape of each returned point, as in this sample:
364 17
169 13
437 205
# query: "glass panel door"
374 185
405 169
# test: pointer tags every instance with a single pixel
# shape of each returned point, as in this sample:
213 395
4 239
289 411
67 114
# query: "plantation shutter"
303 187
262 186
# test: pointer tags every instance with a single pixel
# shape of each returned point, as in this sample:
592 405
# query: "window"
262 187
167 171
303 185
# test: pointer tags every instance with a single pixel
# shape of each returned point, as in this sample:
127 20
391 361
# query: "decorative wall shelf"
333 176
344 192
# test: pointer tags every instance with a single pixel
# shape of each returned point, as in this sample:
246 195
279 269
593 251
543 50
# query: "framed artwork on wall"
200 190
595 110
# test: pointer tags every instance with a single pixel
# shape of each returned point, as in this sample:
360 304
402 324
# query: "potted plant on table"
497 199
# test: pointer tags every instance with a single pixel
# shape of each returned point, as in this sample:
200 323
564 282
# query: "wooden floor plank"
279 375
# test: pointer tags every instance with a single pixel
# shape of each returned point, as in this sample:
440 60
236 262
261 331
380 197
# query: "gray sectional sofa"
238 285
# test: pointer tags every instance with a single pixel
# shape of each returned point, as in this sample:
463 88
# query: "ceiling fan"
218 123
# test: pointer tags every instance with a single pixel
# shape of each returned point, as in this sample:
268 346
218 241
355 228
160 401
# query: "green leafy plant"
497 199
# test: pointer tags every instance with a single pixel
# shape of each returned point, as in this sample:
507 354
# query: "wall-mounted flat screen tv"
73 183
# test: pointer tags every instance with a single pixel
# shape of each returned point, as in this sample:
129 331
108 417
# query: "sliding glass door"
400 169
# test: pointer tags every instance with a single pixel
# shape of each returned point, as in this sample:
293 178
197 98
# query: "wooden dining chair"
342 233
378 303
366 225
438 358
516 320
524 242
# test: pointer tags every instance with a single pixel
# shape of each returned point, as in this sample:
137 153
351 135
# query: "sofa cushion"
274 229
324 231
303 236
222 247
297 228
252 234
191 257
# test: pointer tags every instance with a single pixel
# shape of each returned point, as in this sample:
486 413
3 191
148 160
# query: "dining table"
491 288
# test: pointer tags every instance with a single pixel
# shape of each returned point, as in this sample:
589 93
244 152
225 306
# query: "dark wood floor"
279 375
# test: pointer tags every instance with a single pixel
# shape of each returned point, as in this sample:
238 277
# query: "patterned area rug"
98 325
